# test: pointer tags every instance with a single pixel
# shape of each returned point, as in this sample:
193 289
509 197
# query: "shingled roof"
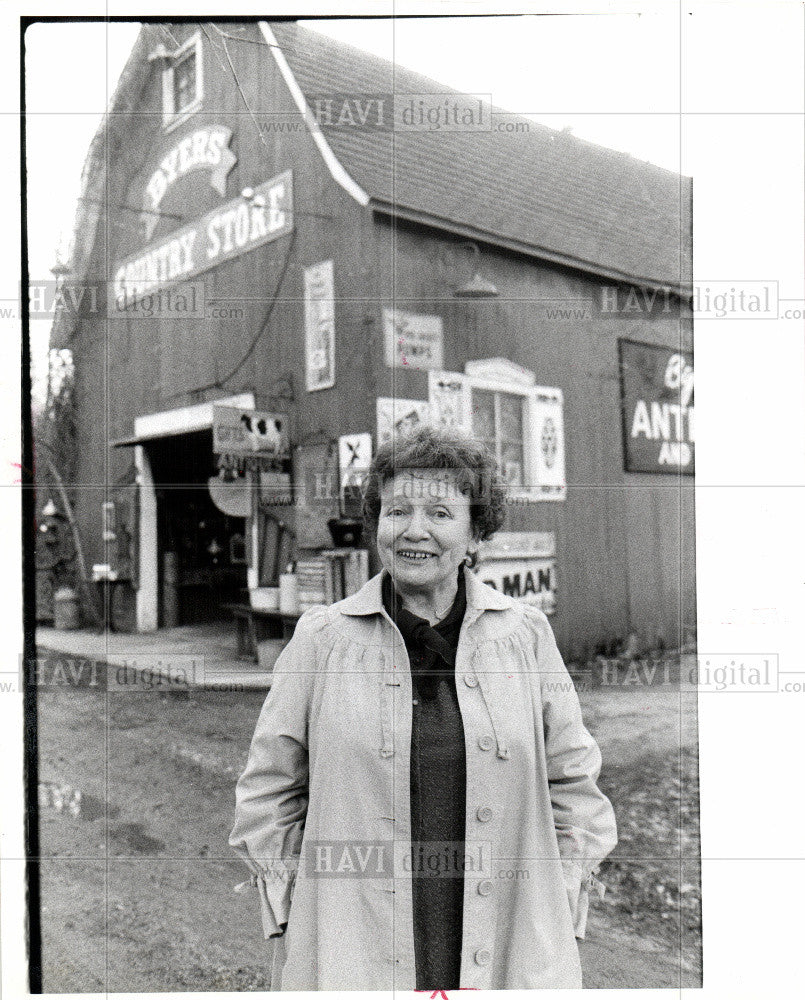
543 192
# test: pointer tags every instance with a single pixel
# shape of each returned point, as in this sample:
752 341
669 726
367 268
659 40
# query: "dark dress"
438 790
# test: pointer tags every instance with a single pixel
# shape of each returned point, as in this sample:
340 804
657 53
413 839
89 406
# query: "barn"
298 248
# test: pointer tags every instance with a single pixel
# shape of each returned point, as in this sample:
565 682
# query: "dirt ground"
137 878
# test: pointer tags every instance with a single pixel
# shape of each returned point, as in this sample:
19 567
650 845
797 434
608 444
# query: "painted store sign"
319 326
236 227
521 564
204 149
657 401
249 439
412 341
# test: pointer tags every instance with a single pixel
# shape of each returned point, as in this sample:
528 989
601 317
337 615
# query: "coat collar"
369 599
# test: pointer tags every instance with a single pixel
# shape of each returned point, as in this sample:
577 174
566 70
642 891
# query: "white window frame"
502 375
170 117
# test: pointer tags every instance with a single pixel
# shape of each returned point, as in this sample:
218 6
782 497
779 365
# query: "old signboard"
657 405
250 439
399 416
521 564
319 326
549 440
449 398
354 459
412 341
234 228
204 149
316 493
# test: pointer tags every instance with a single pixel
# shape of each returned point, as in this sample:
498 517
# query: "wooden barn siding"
614 529
624 541
328 224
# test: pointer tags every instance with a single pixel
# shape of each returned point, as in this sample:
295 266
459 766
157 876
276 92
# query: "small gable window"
183 82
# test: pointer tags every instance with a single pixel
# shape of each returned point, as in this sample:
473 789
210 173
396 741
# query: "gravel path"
137 879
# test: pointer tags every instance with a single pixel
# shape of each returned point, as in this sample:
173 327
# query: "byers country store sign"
235 228
657 401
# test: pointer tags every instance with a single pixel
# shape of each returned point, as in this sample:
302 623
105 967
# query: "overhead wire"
220 382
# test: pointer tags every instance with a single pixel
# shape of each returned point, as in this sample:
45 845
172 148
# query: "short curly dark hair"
436 448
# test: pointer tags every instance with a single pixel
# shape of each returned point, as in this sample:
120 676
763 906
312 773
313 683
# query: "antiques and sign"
236 227
657 406
203 149
412 341
521 564
319 327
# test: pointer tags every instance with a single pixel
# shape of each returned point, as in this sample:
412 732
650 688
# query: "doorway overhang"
183 420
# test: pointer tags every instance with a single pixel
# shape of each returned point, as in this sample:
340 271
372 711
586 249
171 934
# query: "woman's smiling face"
424 529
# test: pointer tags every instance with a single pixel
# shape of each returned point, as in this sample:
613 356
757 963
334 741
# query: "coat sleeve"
583 816
272 793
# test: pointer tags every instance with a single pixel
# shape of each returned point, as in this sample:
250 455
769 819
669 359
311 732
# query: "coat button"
486 742
483 956
471 680
484 814
485 887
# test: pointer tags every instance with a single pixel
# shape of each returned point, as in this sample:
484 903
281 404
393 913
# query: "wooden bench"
254 625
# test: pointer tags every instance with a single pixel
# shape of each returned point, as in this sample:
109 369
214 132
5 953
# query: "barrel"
65 609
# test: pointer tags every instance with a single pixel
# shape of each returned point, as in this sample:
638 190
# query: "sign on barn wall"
203 149
239 435
412 341
521 564
548 434
399 416
234 228
448 395
657 401
316 495
319 327
354 458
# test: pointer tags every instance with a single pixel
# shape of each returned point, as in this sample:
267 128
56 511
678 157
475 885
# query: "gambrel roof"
542 191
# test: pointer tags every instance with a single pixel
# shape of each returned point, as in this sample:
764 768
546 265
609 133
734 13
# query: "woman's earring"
471 559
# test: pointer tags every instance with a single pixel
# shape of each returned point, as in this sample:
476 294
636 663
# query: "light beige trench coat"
326 791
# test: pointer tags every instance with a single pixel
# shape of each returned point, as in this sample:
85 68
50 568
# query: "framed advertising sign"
354 459
400 416
412 341
449 398
521 564
657 408
319 327
250 439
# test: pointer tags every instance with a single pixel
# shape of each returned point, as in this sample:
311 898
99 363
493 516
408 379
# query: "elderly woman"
419 808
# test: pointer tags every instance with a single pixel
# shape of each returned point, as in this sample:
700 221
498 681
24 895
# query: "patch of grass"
221 978
653 876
